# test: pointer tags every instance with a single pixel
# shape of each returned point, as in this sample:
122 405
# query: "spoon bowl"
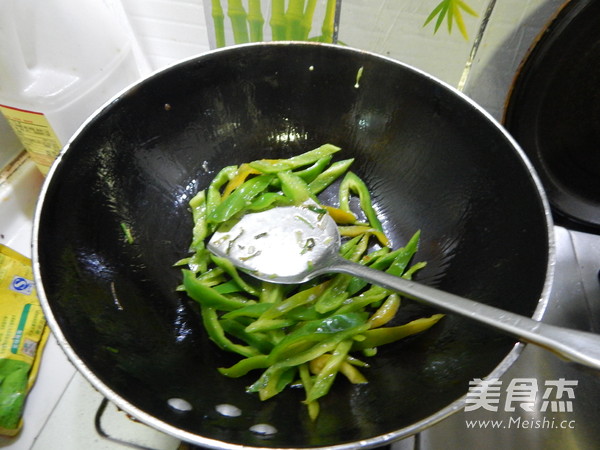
288 244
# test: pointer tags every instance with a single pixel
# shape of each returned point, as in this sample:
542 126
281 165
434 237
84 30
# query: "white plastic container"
60 60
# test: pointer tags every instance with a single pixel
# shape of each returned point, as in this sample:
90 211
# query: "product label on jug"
36 135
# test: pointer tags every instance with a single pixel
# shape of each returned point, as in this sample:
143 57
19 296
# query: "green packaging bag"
23 334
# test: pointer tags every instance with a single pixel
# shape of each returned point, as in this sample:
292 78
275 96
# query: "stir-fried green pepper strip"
213 193
268 382
273 381
272 293
361 301
254 340
210 320
348 247
412 269
312 172
386 335
393 263
254 310
327 375
212 277
329 175
239 199
268 199
269 324
231 270
284 330
326 345
242 173
207 296
200 230
404 256
301 298
386 312
337 291
313 331
352 183
228 287
294 187
245 365
347 368
198 262
307 383
334 295
273 166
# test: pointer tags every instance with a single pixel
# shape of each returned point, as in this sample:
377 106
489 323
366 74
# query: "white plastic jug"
59 61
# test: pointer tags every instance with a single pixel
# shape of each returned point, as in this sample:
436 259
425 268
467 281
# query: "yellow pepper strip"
386 311
348 370
307 383
243 172
352 373
317 364
326 376
340 216
355 230
355 361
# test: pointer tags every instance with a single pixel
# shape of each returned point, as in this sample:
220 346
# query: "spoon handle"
572 345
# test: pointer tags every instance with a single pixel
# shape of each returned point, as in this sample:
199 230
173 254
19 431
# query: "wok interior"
432 161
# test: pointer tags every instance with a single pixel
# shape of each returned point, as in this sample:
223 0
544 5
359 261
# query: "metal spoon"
293 244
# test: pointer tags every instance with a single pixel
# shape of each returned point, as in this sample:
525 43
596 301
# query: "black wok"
554 113
433 160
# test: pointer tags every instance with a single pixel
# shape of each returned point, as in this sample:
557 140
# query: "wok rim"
195 439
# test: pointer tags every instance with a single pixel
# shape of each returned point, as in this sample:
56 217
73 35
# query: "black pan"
554 113
433 160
